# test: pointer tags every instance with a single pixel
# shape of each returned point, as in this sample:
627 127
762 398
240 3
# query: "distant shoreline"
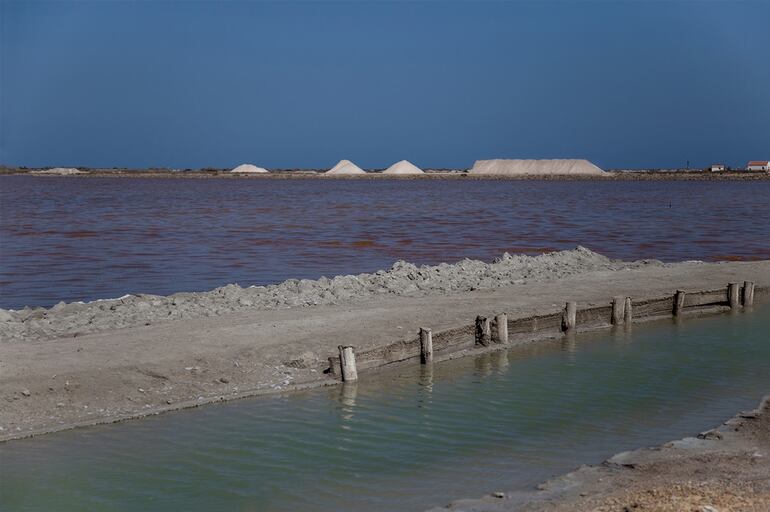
312 174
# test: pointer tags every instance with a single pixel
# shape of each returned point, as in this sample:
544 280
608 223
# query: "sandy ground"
49 384
726 469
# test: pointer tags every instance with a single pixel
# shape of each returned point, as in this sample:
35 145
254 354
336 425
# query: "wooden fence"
501 331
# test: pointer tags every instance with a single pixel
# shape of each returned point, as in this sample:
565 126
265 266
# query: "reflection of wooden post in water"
349 393
348 364
569 343
569 317
483 364
426 346
500 360
679 302
628 315
426 377
483 331
732 294
348 400
500 332
618 310
748 294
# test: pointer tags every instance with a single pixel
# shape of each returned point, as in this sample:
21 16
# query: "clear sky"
304 84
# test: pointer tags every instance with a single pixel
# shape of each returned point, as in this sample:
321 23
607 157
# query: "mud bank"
402 279
58 383
720 470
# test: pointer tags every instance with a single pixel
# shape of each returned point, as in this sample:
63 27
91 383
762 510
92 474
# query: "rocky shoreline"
725 469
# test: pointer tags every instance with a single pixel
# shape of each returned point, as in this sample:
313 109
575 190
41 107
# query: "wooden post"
732 294
618 310
348 364
628 315
678 302
426 346
500 333
483 331
569 316
748 294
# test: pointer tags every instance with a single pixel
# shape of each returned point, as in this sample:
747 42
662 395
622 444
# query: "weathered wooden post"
679 302
628 314
348 364
732 294
426 346
483 331
618 310
748 294
568 320
500 332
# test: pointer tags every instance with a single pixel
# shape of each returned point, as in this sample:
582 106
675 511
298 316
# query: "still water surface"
408 439
84 239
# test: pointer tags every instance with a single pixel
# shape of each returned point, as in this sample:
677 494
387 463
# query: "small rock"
25 392
223 380
710 434
498 494
708 508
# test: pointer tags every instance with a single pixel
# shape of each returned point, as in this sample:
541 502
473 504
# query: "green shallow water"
413 438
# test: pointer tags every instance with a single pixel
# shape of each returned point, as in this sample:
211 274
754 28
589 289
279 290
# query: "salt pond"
84 239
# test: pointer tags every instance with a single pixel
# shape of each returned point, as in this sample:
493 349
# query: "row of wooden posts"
495 331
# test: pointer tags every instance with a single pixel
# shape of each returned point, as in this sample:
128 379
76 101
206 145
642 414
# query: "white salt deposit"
535 167
345 167
249 169
59 171
403 167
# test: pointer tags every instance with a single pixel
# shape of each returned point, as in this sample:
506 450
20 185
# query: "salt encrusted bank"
226 347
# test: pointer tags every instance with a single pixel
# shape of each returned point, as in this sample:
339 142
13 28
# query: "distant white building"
717 167
758 165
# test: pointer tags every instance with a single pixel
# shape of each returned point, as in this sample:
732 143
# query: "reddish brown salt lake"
83 239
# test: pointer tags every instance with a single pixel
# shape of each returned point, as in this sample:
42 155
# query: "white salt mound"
403 167
249 169
60 171
345 167
535 167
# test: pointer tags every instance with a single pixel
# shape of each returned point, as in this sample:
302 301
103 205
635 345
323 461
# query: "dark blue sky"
304 84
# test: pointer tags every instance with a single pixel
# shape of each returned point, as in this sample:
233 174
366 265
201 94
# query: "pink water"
82 239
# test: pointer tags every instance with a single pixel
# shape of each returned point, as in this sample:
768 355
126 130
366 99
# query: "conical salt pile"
249 169
345 167
403 167
535 167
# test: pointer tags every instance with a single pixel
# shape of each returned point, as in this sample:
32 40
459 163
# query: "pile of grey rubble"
402 278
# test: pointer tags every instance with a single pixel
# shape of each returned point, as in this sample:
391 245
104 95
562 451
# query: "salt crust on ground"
59 171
